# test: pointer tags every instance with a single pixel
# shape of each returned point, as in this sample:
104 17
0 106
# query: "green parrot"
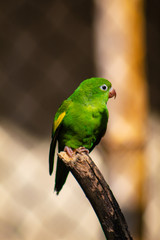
80 122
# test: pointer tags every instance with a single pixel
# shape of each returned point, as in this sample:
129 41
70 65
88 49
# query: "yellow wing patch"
58 121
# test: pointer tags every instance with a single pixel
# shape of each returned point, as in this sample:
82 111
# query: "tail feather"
61 175
51 155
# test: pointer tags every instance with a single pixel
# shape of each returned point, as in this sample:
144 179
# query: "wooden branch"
99 194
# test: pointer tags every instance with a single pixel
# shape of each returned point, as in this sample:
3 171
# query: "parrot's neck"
88 98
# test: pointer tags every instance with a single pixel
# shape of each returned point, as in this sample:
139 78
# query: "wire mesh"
47 48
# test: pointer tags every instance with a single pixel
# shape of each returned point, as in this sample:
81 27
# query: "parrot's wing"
56 127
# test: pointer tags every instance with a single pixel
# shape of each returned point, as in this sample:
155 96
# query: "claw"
82 150
69 151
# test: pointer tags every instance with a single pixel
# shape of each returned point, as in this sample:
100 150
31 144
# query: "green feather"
80 121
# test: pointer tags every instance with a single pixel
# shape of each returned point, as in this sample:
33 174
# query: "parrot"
80 123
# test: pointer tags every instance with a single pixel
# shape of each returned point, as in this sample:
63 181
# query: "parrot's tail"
61 175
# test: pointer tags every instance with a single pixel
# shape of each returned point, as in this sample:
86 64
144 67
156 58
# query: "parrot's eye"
104 87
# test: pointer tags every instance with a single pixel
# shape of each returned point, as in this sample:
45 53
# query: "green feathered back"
80 121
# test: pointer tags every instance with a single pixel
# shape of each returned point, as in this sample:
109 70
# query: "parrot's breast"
83 126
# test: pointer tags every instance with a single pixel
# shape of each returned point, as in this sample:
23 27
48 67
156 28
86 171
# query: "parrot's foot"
69 151
82 150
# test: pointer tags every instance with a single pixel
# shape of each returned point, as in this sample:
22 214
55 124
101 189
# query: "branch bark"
99 194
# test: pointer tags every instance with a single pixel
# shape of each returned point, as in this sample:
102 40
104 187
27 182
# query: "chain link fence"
46 50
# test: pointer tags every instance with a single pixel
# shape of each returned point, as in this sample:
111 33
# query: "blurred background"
46 49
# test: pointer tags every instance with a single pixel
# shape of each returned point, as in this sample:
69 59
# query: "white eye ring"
104 87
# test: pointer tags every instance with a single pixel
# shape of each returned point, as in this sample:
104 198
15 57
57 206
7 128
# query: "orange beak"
112 93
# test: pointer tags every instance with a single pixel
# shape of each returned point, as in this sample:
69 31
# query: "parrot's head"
96 89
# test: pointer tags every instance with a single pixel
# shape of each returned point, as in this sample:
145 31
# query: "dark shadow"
152 8
46 51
